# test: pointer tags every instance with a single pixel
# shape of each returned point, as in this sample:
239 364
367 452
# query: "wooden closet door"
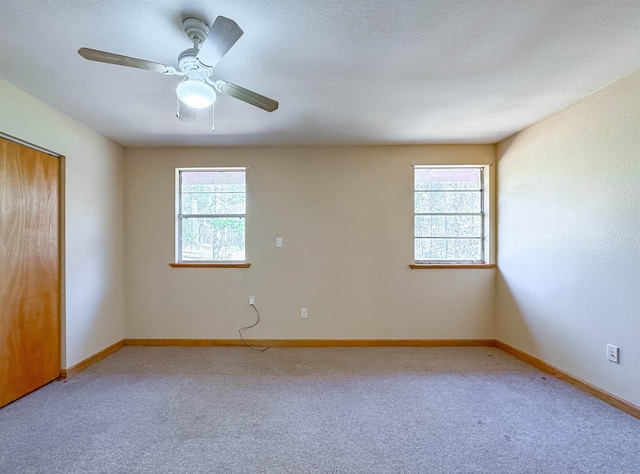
29 270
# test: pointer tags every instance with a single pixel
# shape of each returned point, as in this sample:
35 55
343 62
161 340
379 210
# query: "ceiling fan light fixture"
196 94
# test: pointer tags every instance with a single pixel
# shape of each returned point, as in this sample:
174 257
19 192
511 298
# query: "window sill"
209 265
439 266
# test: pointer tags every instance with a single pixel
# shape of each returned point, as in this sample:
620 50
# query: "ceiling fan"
197 90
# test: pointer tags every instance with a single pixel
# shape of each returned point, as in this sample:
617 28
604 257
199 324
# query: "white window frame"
180 217
484 200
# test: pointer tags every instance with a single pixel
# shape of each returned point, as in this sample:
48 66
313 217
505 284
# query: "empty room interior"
407 240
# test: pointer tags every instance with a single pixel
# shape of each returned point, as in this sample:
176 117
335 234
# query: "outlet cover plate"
613 353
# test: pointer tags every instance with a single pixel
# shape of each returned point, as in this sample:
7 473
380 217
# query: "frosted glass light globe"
196 94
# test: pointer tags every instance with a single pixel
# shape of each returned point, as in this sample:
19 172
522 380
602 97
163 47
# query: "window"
448 215
211 214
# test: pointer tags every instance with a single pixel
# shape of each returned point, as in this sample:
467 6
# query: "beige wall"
569 239
345 214
94 212
569 234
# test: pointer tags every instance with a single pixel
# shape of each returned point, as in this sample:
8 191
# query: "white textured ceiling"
344 72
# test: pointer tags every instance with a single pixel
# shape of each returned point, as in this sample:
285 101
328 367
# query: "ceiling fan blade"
104 57
185 113
222 36
245 95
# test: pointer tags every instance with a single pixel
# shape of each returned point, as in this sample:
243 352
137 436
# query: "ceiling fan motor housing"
191 66
197 31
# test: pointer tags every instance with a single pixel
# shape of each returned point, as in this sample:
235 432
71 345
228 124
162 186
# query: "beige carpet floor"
316 410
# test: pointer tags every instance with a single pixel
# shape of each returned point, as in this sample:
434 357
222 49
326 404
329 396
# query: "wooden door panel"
29 304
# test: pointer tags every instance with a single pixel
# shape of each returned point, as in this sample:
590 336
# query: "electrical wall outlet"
252 300
279 242
613 353
303 313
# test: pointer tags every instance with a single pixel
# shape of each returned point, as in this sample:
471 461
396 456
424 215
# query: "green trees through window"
212 214
448 214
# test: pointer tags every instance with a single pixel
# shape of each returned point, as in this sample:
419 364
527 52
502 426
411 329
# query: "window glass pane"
448 226
213 181
213 203
447 202
448 249
213 238
447 178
